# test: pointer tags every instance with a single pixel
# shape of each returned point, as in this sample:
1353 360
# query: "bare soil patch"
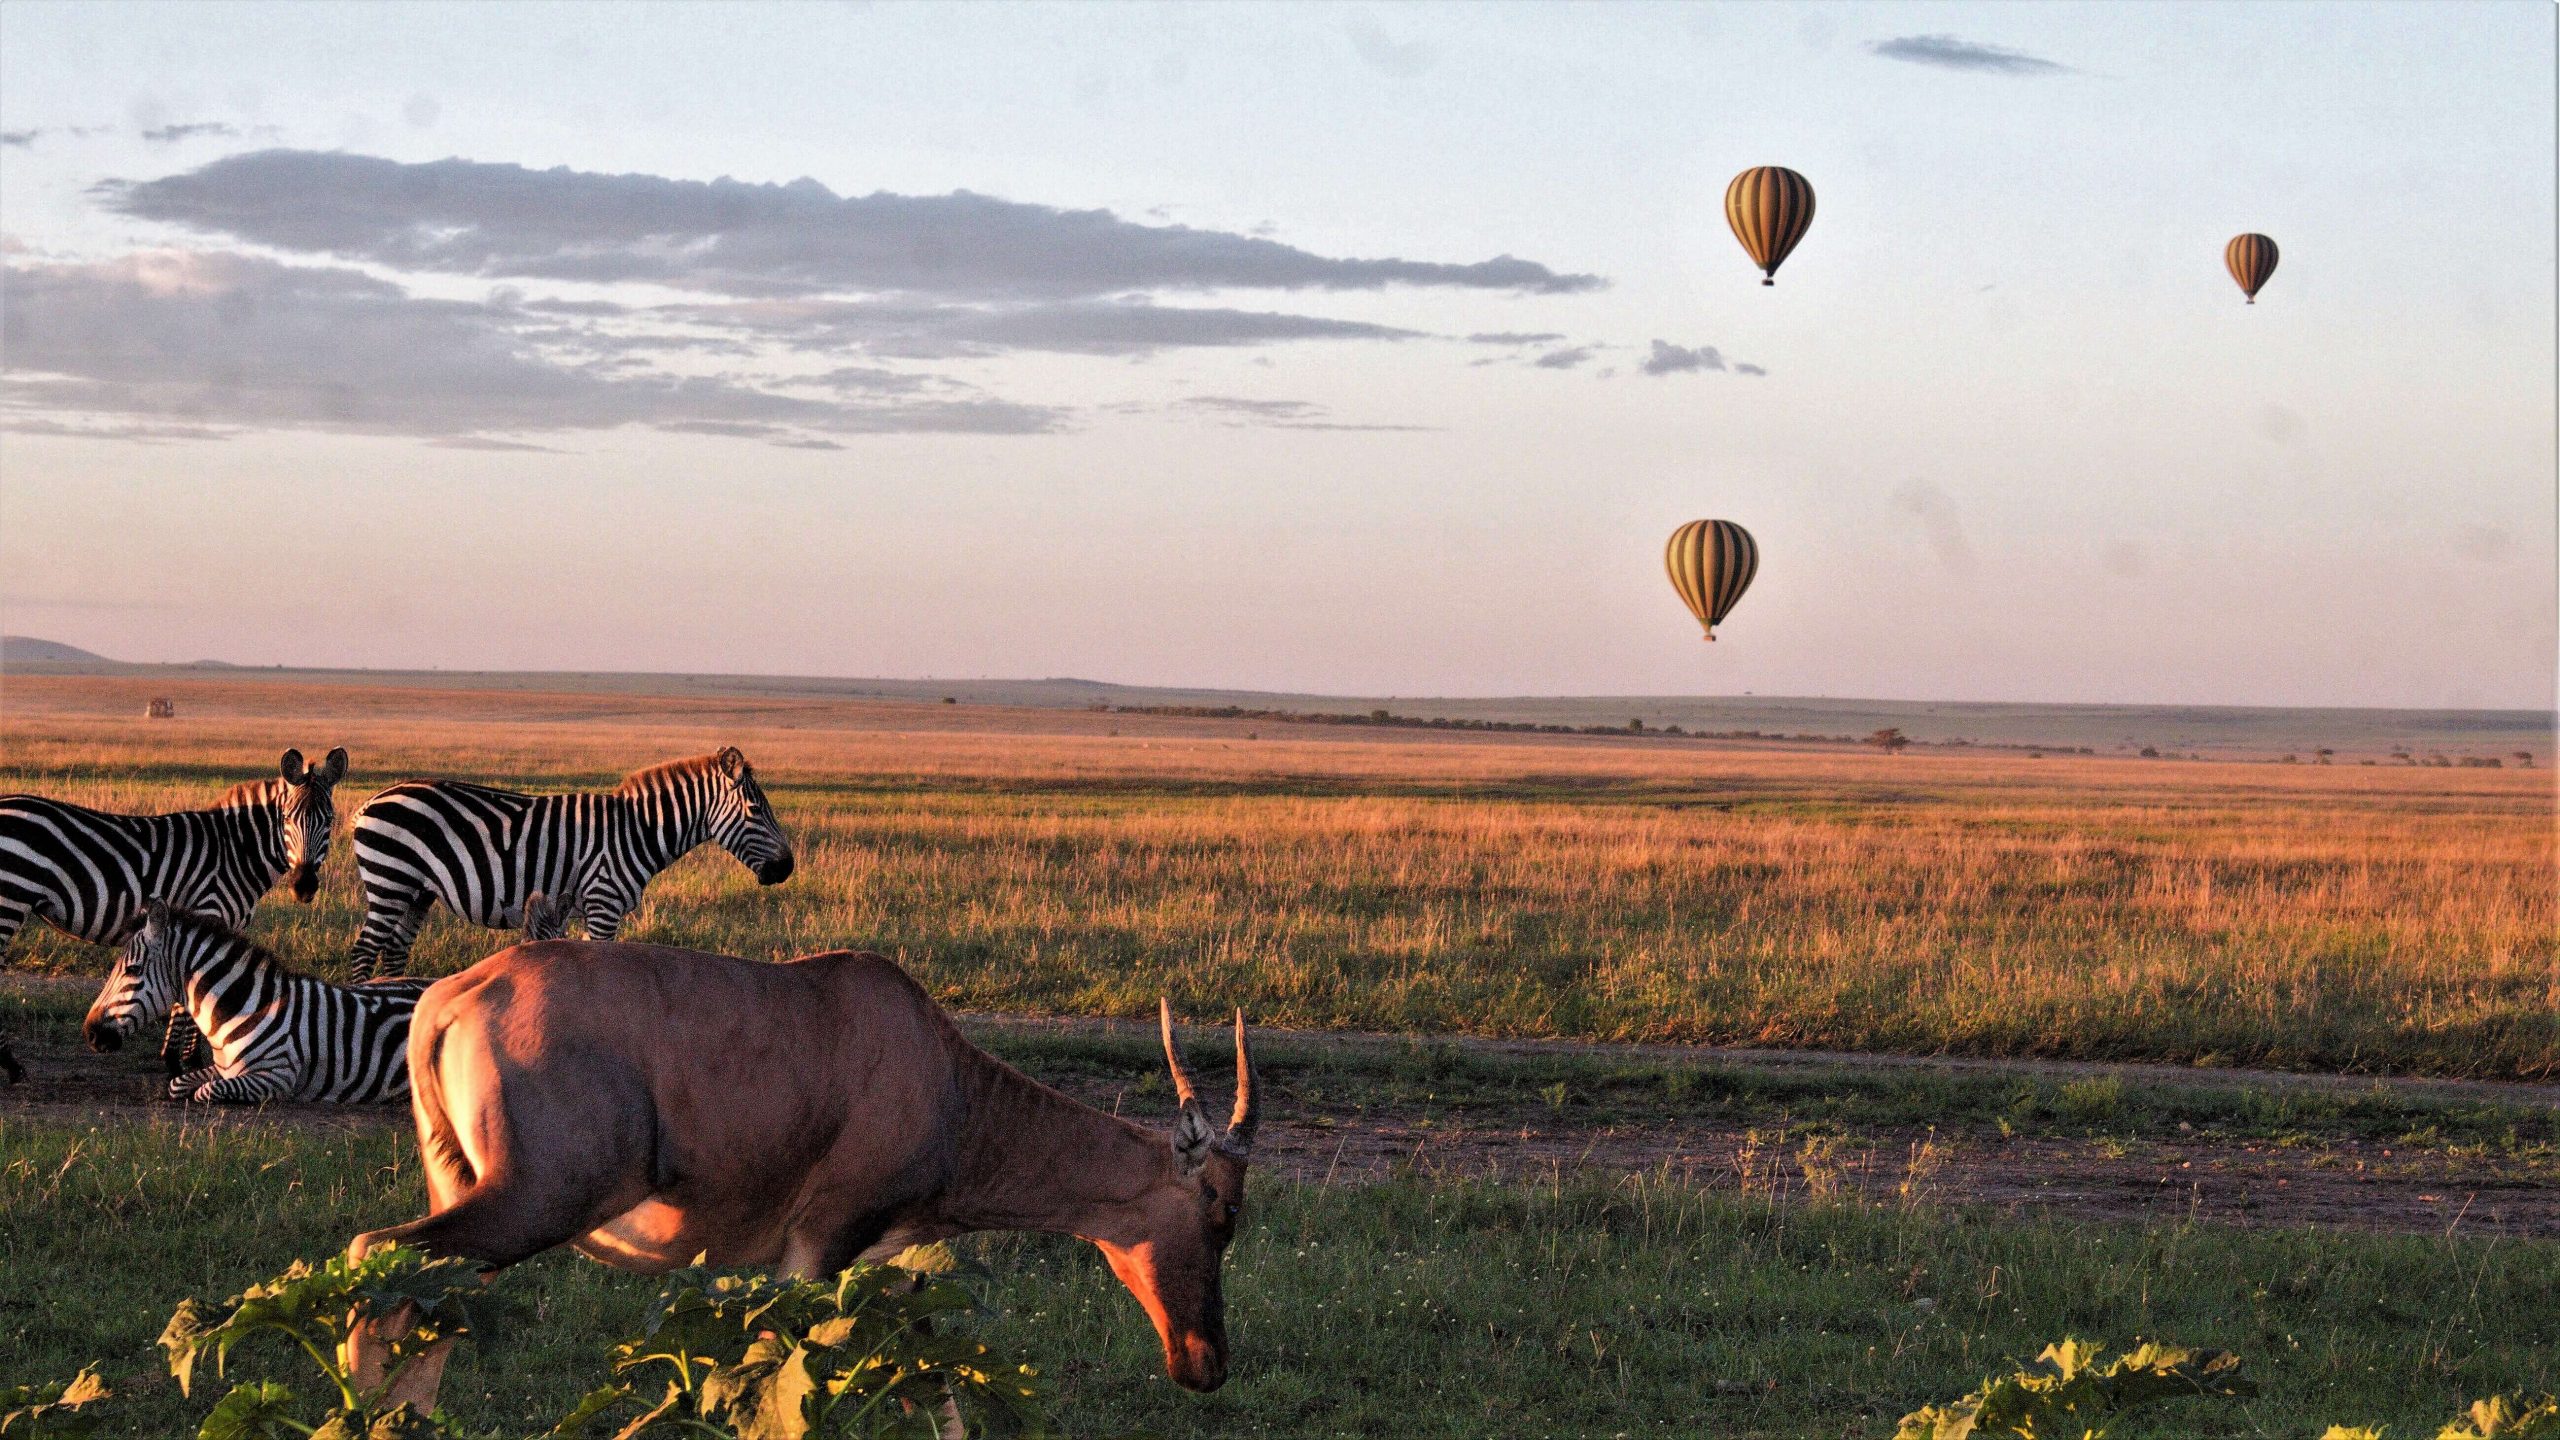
2339 1183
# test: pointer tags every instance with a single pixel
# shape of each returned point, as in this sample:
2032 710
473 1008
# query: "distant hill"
28 650
2122 730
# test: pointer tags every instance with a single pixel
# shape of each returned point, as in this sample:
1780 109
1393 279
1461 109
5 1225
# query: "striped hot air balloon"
1768 207
1711 564
2251 258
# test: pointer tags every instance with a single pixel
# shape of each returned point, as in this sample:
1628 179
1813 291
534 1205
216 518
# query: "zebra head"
144 983
309 810
740 820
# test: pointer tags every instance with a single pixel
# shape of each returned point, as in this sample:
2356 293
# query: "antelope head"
1185 1220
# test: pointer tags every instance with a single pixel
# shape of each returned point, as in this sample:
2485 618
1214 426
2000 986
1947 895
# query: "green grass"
1406 1308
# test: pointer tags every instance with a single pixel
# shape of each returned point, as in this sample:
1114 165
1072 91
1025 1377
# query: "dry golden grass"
2338 917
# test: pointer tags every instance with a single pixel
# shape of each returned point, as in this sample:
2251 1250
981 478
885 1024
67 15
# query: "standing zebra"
484 852
276 1035
89 873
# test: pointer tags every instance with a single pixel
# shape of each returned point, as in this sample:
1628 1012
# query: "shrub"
2067 1392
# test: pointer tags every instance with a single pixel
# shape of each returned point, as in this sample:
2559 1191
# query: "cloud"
172 134
934 331
216 338
1563 359
1257 409
149 433
1670 359
1949 53
738 238
19 139
1747 369
1938 520
1400 59
1514 337
1237 412
2487 543
485 442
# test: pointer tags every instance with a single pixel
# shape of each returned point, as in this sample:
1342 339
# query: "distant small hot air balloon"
1768 207
1711 564
2251 258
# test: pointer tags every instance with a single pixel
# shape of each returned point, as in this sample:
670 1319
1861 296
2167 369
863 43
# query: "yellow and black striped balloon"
1768 207
1711 564
2251 259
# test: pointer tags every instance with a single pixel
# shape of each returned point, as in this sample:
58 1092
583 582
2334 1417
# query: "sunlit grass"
2345 917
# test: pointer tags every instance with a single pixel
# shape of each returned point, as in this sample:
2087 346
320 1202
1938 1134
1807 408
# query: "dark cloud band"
738 238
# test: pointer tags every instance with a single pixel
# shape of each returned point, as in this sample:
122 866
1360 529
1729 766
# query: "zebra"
483 852
276 1034
89 873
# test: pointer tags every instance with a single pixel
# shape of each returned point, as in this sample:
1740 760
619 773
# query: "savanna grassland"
1539 1240
2356 918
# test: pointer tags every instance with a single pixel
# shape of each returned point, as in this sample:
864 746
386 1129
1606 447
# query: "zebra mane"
195 933
249 794
639 781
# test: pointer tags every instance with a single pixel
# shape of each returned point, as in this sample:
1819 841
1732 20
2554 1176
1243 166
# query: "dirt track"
2350 1184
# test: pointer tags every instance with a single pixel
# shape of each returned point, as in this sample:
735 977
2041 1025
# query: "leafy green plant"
867 1354
2500 1417
52 1412
315 1307
2067 1392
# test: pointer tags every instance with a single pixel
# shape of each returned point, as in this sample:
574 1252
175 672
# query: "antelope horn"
1184 1092
1241 1127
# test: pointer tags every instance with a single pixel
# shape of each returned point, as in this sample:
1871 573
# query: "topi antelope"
649 1105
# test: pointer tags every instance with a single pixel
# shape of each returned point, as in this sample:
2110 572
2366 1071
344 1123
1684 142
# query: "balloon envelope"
1768 207
1711 564
2251 259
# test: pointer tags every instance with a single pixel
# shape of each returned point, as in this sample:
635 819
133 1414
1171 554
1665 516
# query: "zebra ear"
733 760
333 769
293 771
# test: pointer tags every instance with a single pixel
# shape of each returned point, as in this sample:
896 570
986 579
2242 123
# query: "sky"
1368 349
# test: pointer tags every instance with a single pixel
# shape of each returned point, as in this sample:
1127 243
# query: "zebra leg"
184 1047
13 913
391 922
182 1088
605 914
247 1088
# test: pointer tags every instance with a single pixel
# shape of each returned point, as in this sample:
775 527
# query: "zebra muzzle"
306 883
102 1036
775 870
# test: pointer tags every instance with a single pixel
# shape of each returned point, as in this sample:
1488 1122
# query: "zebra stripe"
89 873
484 852
276 1035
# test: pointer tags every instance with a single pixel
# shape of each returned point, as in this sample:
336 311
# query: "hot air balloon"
2251 258
1711 564
1768 207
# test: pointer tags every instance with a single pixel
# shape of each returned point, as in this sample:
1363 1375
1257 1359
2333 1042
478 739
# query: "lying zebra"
276 1035
89 873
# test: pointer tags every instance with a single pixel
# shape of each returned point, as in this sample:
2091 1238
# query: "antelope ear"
334 769
292 767
1192 1137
